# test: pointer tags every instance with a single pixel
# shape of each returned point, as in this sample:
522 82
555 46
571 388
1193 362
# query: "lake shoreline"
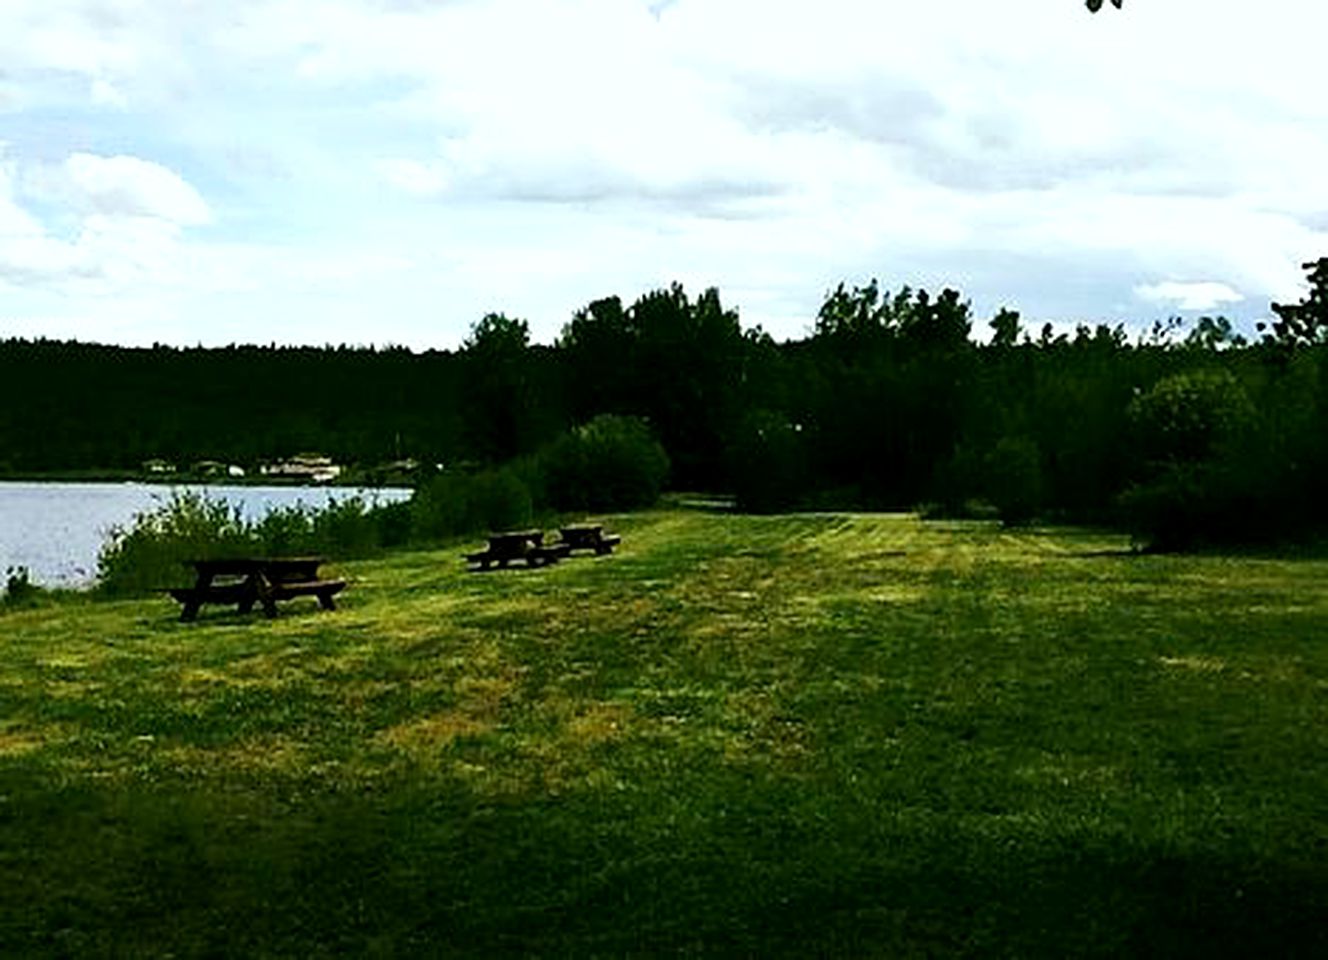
56 529
351 482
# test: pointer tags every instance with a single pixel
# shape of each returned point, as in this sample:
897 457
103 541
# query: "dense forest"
894 400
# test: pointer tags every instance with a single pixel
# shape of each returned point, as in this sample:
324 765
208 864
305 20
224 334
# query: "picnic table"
245 581
525 545
588 536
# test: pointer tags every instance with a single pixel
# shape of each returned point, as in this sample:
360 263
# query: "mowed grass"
810 735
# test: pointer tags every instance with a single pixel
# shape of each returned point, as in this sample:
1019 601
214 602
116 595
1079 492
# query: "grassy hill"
810 735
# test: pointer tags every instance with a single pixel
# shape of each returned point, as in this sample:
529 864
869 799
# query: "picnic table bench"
588 536
525 545
245 581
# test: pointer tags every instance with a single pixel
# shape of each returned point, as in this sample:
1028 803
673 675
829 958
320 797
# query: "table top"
250 564
536 535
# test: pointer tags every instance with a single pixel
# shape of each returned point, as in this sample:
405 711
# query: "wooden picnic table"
588 536
245 581
525 545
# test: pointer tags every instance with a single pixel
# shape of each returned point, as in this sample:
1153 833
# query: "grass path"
861 735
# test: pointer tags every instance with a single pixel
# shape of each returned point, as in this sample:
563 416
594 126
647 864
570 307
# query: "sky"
389 171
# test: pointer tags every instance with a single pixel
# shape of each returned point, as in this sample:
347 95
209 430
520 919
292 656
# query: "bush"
346 527
768 464
395 523
1013 479
500 500
1190 504
152 551
452 504
610 463
440 507
149 554
1195 484
286 531
20 591
1190 417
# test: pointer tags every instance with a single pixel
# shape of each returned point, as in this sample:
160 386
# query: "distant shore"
349 479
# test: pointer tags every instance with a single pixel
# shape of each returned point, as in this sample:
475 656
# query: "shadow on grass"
750 869
1110 552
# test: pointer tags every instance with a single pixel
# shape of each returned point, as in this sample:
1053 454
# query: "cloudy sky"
388 171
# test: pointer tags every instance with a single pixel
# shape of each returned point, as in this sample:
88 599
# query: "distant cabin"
215 468
307 467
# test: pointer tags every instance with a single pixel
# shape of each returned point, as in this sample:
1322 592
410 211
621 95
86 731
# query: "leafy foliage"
152 551
1013 479
1190 417
1189 428
610 463
769 468
19 591
888 403
1305 323
456 503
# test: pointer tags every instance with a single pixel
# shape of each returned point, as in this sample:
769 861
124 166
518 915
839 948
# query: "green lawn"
829 735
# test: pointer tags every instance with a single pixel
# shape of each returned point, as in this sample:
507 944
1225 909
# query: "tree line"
894 400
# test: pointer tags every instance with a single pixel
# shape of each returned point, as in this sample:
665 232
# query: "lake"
57 529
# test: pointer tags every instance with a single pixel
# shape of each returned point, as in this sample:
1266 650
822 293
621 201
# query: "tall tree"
498 398
1305 323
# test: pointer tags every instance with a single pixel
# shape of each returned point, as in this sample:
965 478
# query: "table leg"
190 611
263 593
249 595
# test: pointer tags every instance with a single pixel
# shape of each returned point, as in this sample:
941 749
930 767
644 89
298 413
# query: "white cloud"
115 225
413 177
1204 295
1029 152
132 187
103 93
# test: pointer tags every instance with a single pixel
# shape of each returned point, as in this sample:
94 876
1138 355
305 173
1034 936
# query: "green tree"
1196 484
1013 479
1190 417
505 413
675 362
1305 323
1005 328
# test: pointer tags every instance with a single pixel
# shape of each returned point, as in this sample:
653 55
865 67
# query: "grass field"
853 735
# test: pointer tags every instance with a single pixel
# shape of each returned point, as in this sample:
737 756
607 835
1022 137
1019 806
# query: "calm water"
56 529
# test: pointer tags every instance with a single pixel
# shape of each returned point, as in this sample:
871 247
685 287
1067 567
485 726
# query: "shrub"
451 504
1193 487
1190 417
610 463
768 464
286 530
345 527
441 507
20 591
395 523
500 500
1190 504
150 552
1013 479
